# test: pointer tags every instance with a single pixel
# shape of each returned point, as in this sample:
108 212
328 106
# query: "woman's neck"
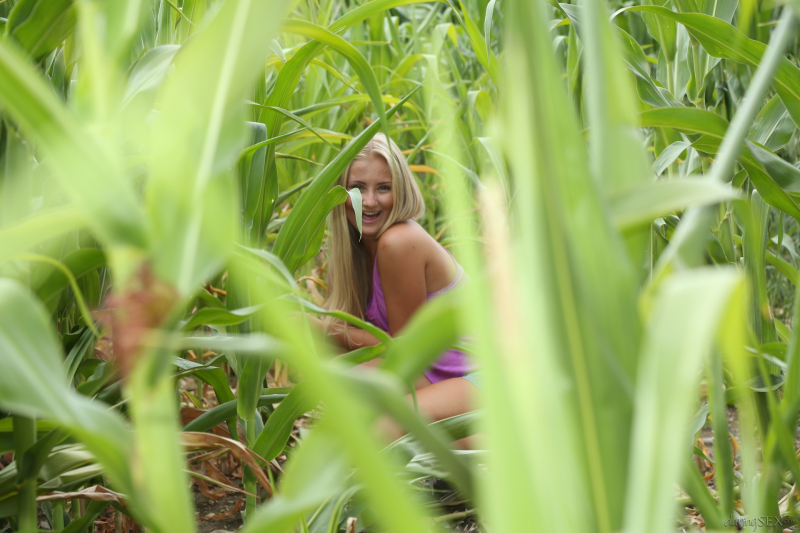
371 245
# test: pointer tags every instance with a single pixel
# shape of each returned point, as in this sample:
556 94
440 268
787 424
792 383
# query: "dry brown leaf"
424 169
209 492
224 486
425 147
708 464
214 473
226 514
735 443
97 493
199 458
198 441
188 414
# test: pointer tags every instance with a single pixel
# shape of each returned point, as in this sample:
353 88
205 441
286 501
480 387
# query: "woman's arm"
359 338
401 264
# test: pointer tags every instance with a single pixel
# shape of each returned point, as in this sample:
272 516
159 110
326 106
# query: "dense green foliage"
620 181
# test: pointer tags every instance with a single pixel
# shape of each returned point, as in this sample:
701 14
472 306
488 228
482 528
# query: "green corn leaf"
362 355
36 383
663 395
37 229
225 411
405 65
344 100
149 72
784 267
297 119
487 26
769 189
616 159
368 9
773 127
429 333
479 45
723 466
273 260
64 466
219 317
250 167
78 158
641 204
355 198
336 521
93 510
457 427
785 175
275 46
39 26
356 60
713 129
721 40
635 60
204 94
275 435
215 377
315 474
161 483
380 392
251 383
281 94
668 156
688 119
633 56
78 353
663 30
495 157
35 456
123 21
615 148
547 148
249 152
313 241
79 262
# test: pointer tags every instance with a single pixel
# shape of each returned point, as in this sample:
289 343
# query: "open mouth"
369 217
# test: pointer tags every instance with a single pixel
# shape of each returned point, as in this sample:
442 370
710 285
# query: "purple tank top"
453 363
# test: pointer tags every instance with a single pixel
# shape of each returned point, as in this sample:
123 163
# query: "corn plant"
610 176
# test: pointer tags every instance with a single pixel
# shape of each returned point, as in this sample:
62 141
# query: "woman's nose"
368 198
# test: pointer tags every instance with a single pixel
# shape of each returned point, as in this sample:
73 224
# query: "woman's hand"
358 337
316 323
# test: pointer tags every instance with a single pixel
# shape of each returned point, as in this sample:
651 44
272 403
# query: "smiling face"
371 175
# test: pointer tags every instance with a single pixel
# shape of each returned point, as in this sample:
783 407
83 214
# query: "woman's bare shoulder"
403 237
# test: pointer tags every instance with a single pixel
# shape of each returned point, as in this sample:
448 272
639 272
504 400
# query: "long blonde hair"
349 262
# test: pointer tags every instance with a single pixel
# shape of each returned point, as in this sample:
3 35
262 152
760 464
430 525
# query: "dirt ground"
218 508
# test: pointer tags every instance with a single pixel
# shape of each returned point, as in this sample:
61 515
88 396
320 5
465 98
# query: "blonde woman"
392 270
